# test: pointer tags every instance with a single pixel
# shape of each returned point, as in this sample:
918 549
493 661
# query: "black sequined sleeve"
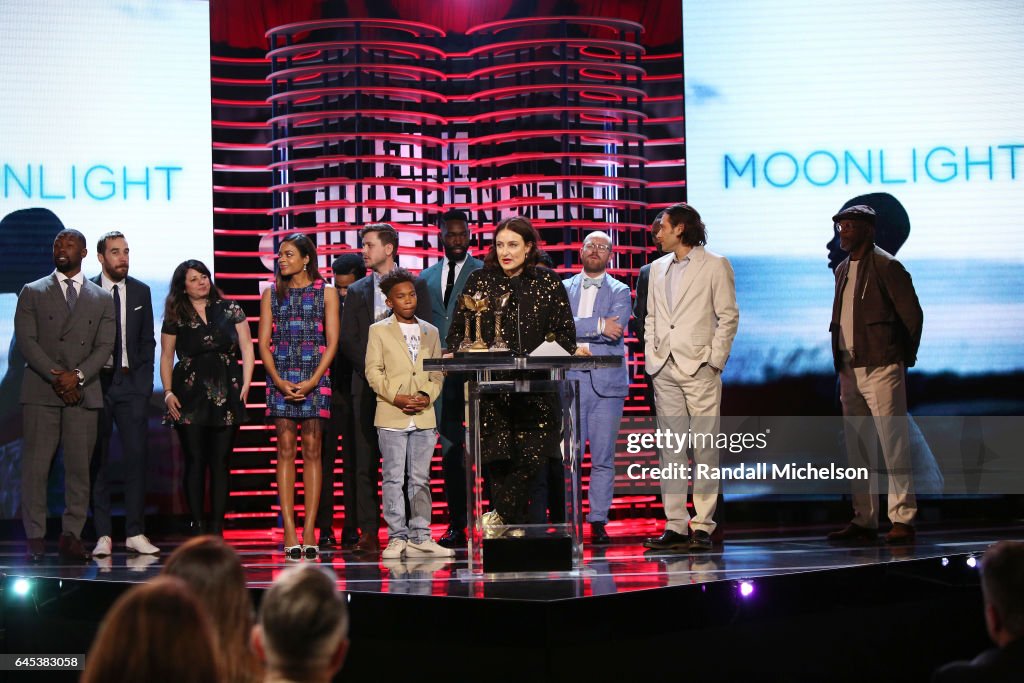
560 320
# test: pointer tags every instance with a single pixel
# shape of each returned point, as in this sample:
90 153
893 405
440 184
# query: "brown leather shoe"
36 549
853 533
70 548
369 544
900 534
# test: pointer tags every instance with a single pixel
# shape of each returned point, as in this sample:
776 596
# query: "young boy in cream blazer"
406 426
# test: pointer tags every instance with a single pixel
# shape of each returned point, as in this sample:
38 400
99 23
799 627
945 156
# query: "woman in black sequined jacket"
519 431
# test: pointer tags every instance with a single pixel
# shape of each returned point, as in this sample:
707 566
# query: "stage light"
746 588
21 587
972 561
945 562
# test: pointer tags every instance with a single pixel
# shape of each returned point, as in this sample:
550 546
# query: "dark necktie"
71 293
117 327
450 287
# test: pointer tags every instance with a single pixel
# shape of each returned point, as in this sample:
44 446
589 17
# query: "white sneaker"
396 546
140 544
103 547
427 548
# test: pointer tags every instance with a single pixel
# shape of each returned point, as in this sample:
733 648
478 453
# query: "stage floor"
768 604
624 566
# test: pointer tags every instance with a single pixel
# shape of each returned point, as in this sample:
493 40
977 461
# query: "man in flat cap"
876 331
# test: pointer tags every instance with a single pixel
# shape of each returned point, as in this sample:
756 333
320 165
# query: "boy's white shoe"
396 546
103 547
140 544
427 548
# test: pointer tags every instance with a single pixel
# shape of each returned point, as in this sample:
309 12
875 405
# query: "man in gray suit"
64 325
445 281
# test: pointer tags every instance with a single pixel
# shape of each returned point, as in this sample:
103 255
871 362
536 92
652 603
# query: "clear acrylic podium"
498 551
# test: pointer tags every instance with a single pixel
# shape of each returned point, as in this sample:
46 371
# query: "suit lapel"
574 292
460 284
399 338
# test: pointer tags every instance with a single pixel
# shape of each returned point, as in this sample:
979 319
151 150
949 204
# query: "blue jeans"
407 453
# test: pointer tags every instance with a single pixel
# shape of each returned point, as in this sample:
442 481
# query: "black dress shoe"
853 533
700 542
598 534
327 540
452 538
36 549
349 538
70 548
669 540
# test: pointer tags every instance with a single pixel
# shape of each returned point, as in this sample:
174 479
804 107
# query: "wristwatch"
80 375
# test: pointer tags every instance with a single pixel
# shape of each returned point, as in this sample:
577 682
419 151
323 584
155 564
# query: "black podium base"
547 553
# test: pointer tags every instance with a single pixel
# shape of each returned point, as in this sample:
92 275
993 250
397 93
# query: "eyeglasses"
600 248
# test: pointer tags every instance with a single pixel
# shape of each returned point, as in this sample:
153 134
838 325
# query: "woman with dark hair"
298 338
157 632
206 390
213 570
521 431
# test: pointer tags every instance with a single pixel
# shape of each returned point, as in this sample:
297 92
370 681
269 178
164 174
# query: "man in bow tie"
601 309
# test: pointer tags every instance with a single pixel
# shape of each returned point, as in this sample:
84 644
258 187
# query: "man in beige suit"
691 321
405 421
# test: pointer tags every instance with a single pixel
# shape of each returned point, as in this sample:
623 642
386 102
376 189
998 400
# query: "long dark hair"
213 570
521 226
176 305
306 248
695 233
156 631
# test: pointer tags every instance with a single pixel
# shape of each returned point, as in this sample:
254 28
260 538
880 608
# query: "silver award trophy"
499 313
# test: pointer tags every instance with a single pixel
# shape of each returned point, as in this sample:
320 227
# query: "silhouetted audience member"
1002 585
302 634
157 632
213 570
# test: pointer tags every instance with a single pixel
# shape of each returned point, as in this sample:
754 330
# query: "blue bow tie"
593 282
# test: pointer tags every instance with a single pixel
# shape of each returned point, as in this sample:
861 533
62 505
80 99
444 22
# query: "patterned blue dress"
298 343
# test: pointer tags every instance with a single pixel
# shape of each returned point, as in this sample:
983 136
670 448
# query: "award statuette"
499 312
466 340
477 303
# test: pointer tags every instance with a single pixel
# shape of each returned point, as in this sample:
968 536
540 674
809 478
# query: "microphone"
517 289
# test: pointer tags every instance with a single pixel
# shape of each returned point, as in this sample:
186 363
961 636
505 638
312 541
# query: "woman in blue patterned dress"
298 337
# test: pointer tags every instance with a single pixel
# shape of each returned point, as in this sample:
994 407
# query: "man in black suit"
640 304
364 305
348 269
127 383
1002 585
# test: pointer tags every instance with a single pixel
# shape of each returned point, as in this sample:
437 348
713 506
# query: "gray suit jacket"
52 338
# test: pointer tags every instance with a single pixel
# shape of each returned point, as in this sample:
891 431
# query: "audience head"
302 634
157 631
1002 584
213 570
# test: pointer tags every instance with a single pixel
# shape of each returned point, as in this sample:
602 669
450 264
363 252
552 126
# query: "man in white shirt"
127 383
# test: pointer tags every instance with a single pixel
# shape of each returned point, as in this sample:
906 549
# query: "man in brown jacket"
876 331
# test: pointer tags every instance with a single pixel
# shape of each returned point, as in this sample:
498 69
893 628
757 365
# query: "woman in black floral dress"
206 390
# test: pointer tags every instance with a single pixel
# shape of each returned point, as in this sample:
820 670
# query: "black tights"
207 447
